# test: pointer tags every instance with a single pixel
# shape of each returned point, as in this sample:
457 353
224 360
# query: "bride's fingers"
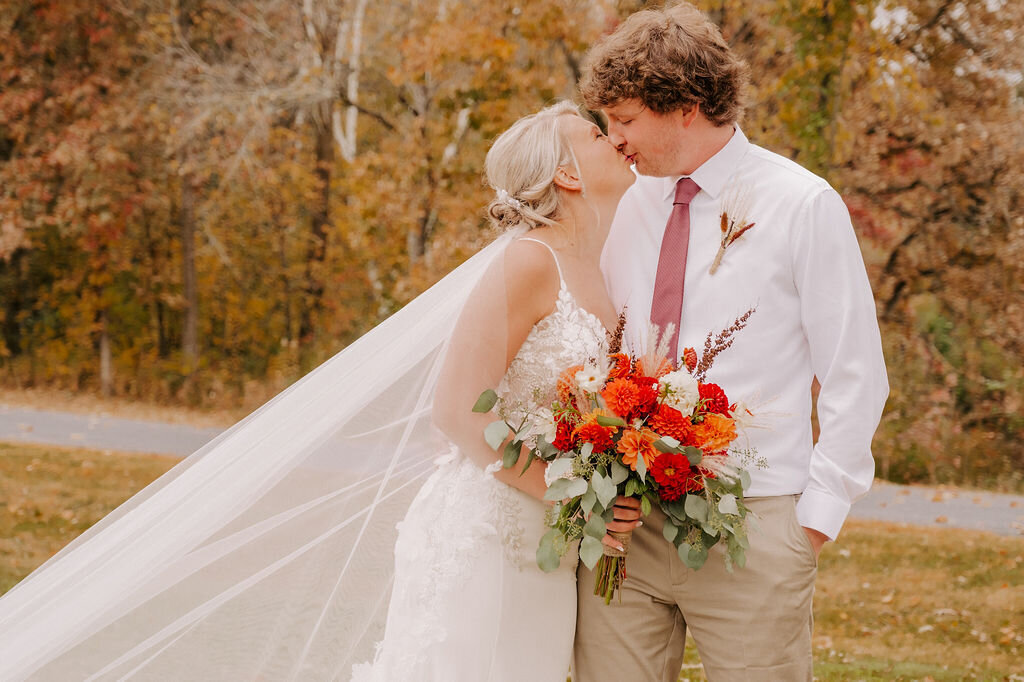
626 514
612 542
627 502
623 526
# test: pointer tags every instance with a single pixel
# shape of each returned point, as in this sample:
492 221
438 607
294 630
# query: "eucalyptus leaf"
511 454
739 557
641 467
645 506
670 441
590 551
695 558
696 508
547 556
595 527
557 490
604 488
631 488
727 505
588 501
619 473
530 458
661 446
486 402
610 421
744 478
496 433
684 551
694 455
577 487
670 530
559 467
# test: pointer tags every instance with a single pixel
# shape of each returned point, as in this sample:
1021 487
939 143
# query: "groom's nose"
615 136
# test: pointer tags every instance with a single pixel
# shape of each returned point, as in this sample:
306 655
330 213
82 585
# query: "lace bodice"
569 336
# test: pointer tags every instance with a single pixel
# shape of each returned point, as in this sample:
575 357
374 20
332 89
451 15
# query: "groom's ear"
568 179
690 116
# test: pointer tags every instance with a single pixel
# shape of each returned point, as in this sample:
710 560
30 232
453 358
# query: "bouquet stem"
611 567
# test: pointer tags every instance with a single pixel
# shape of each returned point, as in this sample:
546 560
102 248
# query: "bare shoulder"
531 277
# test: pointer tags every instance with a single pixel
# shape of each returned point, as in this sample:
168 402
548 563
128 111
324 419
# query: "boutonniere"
734 222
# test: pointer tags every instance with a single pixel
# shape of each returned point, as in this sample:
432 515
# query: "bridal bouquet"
644 428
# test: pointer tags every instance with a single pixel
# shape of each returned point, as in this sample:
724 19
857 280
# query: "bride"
271 553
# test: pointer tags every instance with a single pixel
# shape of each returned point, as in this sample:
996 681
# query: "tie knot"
686 189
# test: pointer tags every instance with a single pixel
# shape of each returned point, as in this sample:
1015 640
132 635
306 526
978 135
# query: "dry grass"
892 602
49 495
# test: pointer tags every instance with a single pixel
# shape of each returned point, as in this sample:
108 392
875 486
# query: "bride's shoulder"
531 275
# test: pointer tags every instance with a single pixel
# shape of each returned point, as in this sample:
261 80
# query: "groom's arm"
839 321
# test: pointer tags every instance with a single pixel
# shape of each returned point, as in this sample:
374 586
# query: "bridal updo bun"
521 167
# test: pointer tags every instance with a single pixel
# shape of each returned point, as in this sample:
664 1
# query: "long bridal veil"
267 554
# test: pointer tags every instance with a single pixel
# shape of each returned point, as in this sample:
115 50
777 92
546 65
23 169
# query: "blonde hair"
521 167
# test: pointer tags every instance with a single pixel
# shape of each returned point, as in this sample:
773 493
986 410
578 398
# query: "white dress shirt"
800 265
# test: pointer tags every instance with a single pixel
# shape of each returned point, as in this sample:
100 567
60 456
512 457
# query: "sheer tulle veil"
267 554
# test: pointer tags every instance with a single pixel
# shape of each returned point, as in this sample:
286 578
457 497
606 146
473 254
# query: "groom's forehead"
625 109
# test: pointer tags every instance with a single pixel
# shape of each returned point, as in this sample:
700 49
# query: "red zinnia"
715 398
647 397
564 437
674 476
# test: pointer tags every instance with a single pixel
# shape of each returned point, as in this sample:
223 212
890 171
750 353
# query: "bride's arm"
518 290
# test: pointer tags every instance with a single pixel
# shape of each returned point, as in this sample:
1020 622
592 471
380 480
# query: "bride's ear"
568 179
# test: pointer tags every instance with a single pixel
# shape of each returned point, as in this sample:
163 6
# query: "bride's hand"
627 518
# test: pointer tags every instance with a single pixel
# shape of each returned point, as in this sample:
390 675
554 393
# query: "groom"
671 91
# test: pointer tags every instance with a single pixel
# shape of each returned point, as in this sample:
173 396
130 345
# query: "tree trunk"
190 335
316 252
106 371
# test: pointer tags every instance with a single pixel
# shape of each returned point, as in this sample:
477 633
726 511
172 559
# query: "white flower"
556 469
743 416
591 378
683 392
544 425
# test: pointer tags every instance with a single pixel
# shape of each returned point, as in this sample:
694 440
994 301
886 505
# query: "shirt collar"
713 174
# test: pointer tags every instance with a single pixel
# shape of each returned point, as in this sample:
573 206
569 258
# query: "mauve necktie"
667 305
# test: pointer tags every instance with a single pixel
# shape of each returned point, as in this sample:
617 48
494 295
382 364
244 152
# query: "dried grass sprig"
718 343
615 337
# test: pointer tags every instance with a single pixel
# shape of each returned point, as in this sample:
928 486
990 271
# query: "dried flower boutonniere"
735 208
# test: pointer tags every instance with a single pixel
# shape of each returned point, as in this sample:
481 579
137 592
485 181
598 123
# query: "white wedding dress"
469 603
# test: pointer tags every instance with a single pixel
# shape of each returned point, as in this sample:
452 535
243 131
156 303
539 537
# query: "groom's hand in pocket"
626 518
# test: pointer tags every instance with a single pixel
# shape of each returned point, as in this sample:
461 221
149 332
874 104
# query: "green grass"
891 602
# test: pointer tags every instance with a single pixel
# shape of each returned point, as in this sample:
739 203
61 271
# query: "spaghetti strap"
561 279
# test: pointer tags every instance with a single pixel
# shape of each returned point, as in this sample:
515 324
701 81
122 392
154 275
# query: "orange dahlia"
634 444
668 421
599 436
622 397
715 433
620 367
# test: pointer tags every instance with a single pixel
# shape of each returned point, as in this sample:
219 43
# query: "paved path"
100 432
921 505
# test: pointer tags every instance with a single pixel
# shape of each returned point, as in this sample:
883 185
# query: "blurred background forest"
200 200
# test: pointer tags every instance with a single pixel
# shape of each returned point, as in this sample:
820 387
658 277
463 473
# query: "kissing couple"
360 526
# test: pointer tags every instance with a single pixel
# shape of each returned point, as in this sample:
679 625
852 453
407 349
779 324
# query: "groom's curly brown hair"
669 59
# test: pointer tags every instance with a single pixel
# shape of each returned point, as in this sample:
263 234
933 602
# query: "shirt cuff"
822 512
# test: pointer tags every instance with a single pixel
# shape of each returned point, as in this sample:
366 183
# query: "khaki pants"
752 624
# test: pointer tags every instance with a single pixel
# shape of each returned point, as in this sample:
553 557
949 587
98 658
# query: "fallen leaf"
941 519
